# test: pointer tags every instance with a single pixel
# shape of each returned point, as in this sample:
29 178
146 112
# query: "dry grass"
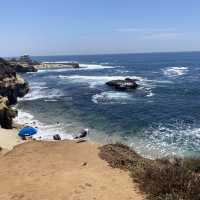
162 179
119 156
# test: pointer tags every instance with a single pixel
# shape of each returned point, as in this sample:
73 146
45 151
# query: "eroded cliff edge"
12 86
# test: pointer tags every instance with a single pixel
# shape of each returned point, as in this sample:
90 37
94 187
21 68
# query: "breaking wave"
111 97
82 67
175 71
45 132
41 91
95 80
173 139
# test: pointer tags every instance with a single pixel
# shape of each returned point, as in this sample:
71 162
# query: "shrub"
162 179
169 181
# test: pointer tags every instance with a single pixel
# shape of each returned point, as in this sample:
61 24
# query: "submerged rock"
122 85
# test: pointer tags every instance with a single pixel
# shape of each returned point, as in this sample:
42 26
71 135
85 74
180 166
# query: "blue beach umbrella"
27 131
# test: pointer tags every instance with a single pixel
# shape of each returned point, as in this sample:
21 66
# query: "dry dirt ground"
63 170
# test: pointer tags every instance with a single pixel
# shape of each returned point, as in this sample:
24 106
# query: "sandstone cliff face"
6 113
12 86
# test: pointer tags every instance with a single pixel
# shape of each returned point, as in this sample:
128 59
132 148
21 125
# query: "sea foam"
111 97
39 90
175 71
45 132
165 140
95 80
82 67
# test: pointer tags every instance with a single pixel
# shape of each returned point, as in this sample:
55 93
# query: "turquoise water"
160 118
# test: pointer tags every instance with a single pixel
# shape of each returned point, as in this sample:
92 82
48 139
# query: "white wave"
105 63
175 71
53 70
150 94
172 140
112 97
95 80
122 71
40 91
45 132
43 93
94 66
23 117
82 67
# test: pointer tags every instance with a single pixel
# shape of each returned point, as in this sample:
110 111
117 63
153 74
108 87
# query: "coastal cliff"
23 64
12 86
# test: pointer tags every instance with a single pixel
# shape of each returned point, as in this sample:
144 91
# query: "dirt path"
62 171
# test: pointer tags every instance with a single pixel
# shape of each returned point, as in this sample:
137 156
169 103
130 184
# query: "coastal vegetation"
169 178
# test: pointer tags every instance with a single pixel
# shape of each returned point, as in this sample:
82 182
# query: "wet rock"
23 64
75 65
82 134
24 69
57 137
123 85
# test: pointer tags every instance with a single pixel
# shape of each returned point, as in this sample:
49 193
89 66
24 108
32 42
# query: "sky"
72 27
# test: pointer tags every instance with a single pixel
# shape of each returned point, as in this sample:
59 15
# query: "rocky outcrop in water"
75 65
123 85
23 64
55 65
12 86
24 69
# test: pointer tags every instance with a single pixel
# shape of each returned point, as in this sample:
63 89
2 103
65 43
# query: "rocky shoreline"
56 65
89 177
87 167
12 86
123 85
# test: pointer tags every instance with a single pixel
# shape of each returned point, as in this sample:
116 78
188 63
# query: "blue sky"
56 27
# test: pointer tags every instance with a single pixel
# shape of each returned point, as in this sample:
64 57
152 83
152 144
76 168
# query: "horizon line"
99 54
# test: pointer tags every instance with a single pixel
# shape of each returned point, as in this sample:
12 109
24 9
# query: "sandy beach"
9 138
62 170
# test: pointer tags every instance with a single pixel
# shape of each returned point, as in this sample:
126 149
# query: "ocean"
160 118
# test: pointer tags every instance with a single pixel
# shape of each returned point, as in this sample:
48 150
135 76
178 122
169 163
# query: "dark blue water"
161 117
